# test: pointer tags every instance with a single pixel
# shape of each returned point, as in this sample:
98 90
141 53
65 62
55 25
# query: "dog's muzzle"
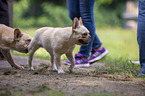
85 41
26 50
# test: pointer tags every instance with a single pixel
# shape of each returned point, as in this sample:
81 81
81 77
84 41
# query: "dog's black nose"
26 50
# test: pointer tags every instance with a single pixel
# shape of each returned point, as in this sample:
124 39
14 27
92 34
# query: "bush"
53 15
31 13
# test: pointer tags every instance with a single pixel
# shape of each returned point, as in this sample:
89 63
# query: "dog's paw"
60 71
21 67
18 67
71 70
54 68
31 68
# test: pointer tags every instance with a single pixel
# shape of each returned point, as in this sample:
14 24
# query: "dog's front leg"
8 56
32 48
70 57
58 63
31 52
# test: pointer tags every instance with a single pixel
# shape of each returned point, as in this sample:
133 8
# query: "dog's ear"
17 34
75 23
80 20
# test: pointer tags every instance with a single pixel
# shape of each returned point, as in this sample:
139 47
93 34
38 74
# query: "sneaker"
97 54
79 61
142 72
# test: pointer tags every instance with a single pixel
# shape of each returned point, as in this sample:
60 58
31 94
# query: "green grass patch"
119 66
122 46
119 42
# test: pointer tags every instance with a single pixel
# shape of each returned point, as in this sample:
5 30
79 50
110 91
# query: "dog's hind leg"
32 50
70 57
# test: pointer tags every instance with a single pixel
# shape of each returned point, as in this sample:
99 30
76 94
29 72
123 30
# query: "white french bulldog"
13 39
58 41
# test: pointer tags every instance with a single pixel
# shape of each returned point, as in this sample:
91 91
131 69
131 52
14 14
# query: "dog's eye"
85 34
29 40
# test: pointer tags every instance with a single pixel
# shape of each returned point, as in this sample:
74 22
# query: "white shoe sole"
83 65
80 65
99 57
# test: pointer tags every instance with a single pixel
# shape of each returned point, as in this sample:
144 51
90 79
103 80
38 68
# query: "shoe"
79 61
134 62
140 75
142 72
97 54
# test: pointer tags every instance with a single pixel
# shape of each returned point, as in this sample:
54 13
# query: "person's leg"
85 9
73 8
141 35
4 14
96 42
97 52
87 14
4 17
74 11
141 42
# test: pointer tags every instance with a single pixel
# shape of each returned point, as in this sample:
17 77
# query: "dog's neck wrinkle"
13 45
71 42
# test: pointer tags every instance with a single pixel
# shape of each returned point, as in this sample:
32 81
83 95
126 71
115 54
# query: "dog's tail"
32 43
35 39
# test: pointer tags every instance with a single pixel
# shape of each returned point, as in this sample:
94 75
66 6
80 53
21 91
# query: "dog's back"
37 36
48 35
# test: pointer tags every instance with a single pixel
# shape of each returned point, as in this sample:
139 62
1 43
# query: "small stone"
18 75
7 73
35 73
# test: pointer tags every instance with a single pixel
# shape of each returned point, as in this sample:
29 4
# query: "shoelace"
79 61
96 54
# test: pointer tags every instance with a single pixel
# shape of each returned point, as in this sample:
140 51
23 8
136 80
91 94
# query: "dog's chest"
64 49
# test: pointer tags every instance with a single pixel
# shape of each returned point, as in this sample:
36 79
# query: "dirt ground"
82 82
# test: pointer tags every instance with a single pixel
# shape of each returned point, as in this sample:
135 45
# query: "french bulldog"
58 41
13 39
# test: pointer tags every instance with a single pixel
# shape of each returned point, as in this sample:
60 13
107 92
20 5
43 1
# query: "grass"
121 44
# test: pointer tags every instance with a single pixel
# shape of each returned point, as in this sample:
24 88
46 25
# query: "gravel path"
82 82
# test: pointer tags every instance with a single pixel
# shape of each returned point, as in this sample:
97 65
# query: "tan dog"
58 41
13 39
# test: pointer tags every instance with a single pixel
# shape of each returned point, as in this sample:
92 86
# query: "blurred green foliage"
38 13
29 14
